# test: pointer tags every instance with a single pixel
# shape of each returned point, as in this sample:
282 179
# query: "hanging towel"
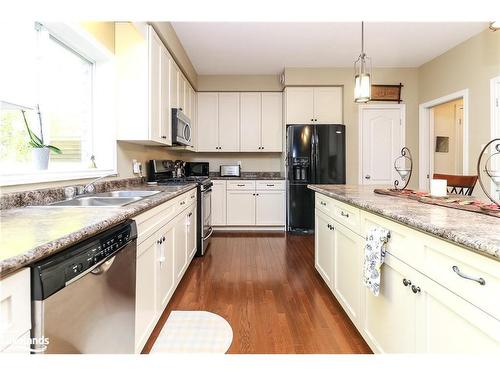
375 246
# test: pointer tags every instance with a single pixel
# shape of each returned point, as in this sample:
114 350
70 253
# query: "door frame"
426 133
361 108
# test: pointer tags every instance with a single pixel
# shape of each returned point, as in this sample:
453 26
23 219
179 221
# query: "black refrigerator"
315 155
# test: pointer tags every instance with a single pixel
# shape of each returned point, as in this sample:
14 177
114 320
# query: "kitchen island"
439 279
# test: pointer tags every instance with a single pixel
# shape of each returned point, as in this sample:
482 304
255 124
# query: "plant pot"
40 157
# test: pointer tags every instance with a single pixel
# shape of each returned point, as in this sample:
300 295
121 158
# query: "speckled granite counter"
480 233
31 233
249 176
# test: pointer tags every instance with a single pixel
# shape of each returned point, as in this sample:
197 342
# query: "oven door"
206 218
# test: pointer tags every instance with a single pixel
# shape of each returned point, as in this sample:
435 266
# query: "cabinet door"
155 124
250 121
229 122
165 267
187 100
272 122
347 270
191 232
208 118
165 112
390 317
450 324
240 207
219 203
180 244
270 208
194 120
181 90
328 105
145 302
299 105
174 84
324 247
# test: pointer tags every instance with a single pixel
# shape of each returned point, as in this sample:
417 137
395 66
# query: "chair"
459 184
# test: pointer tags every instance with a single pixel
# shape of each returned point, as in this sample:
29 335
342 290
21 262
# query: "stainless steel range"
162 172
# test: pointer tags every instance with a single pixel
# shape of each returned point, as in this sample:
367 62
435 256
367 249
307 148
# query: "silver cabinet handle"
478 280
240 184
406 282
344 214
270 185
415 289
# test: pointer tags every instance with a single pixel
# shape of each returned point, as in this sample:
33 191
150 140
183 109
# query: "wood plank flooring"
266 287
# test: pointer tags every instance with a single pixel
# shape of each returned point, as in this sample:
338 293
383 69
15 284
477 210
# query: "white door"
154 86
165 112
299 105
328 105
270 207
240 207
250 121
382 138
229 121
272 122
218 203
207 124
324 247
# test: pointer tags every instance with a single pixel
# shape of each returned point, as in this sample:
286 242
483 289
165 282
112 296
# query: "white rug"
194 332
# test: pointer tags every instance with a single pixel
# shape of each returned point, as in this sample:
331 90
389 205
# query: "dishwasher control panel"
54 273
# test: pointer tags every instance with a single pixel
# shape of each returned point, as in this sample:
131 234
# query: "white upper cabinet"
272 122
250 121
174 85
165 131
314 105
229 121
181 89
208 122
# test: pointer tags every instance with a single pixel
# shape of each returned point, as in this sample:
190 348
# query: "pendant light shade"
362 74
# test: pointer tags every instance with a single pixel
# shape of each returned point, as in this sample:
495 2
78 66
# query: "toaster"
230 171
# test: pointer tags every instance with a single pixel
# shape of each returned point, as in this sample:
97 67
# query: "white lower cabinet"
218 203
414 312
269 207
240 207
166 245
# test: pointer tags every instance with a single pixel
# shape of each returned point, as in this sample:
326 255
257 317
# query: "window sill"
51 176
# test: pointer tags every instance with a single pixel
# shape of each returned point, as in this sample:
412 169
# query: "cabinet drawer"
347 215
15 311
270 185
191 196
450 265
148 222
324 204
240 185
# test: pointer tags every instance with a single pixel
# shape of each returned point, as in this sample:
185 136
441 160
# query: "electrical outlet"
136 166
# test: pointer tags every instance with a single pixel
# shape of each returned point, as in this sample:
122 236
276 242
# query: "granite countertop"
28 234
249 176
480 233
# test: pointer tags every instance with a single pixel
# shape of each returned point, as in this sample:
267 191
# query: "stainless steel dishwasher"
83 298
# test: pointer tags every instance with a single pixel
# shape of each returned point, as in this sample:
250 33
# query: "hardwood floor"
266 287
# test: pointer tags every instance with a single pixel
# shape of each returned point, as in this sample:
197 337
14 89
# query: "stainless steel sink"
129 193
95 201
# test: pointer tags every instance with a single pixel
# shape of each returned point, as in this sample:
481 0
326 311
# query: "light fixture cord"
362 38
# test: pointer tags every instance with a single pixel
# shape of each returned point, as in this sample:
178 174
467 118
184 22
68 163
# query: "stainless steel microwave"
181 128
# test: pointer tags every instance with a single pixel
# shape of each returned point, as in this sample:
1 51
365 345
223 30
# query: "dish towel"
376 242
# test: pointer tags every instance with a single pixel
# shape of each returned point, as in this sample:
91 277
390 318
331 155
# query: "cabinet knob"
164 136
367 177
415 289
406 282
312 120
163 238
344 214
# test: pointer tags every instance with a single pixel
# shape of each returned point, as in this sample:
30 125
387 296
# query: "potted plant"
40 152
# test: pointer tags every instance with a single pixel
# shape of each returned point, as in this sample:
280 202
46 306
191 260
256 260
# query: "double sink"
108 199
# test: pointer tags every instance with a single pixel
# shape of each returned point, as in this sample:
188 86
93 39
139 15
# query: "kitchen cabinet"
180 253
181 91
324 243
219 203
240 207
314 105
15 312
269 207
191 232
423 306
164 270
208 122
174 85
272 122
251 121
142 86
229 122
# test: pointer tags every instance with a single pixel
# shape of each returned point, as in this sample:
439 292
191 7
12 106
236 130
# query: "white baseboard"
249 229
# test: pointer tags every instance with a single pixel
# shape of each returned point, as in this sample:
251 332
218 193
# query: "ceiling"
268 47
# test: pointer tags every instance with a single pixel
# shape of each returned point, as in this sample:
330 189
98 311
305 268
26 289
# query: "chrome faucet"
90 187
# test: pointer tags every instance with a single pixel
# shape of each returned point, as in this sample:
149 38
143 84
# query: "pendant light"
362 73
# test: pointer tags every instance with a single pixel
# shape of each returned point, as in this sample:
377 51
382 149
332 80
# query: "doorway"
381 138
443 137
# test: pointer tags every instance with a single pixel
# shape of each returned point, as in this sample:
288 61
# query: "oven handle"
207 191
209 234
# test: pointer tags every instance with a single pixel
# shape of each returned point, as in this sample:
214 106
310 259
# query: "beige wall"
470 65
269 82
167 34
344 77
102 31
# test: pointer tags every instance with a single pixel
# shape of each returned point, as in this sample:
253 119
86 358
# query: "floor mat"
194 332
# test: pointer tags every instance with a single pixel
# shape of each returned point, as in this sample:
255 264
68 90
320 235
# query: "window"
59 80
